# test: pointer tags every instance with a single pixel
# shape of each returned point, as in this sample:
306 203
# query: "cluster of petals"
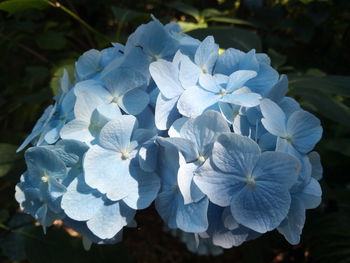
211 138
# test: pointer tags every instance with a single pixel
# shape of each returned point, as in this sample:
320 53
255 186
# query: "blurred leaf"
228 37
58 247
341 145
123 15
8 157
4 215
12 243
339 85
230 20
57 73
14 6
51 40
325 105
189 26
277 59
209 12
186 9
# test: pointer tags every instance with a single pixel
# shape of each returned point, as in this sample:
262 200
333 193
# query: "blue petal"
235 154
134 101
207 54
207 82
274 118
189 190
195 100
187 148
212 181
79 202
192 217
267 77
305 130
106 171
261 208
244 99
228 61
110 220
311 194
279 90
238 78
166 112
317 169
204 130
88 64
116 134
166 75
189 72
143 189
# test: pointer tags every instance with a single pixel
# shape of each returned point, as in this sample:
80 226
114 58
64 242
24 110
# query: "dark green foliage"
306 39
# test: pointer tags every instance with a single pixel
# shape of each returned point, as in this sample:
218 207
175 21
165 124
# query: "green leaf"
338 85
277 59
228 37
15 6
209 12
51 40
4 215
341 145
8 157
186 9
57 73
325 105
124 15
189 26
230 20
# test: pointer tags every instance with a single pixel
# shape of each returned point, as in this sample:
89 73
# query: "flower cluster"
211 138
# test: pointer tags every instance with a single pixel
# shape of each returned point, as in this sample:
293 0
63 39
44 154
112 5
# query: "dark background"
308 40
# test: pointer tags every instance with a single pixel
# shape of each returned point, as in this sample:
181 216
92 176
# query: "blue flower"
111 168
306 194
170 202
255 185
296 134
218 88
40 190
172 78
195 142
91 114
104 218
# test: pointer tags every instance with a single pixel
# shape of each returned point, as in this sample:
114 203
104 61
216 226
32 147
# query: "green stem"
76 17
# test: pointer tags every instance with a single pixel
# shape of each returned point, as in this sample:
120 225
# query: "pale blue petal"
277 168
211 182
110 220
148 156
238 78
116 134
279 90
305 130
228 61
244 99
143 189
235 154
311 194
267 77
134 101
93 87
187 148
192 217
166 112
166 205
77 130
282 145
289 105
189 190
317 169
207 82
174 130
274 118
166 75
88 64
261 208
79 202
195 100
204 130
106 171
189 72
207 54
292 226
